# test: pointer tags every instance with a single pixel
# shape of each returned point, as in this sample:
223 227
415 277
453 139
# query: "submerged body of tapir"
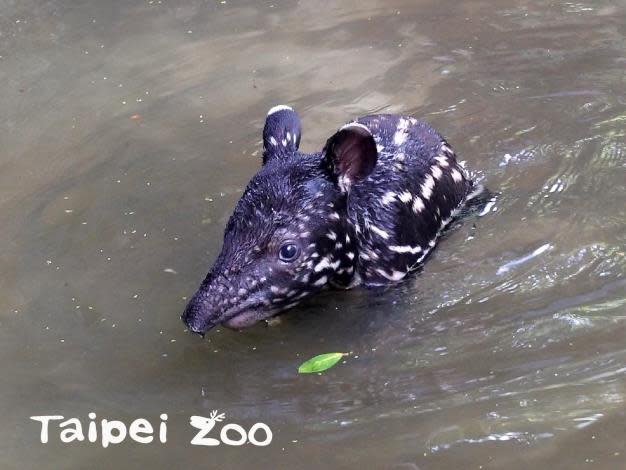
367 209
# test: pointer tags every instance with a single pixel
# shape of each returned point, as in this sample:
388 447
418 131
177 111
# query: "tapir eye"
288 252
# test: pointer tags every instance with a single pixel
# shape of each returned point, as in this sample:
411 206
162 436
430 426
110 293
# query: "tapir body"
367 209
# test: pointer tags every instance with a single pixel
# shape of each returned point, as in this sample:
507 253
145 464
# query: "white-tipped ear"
351 154
281 134
280 107
356 124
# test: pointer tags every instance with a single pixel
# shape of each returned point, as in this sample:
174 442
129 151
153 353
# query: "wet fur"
366 209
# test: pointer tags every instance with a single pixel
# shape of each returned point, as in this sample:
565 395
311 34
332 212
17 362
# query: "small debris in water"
506 159
487 207
507 266
136 117
320 363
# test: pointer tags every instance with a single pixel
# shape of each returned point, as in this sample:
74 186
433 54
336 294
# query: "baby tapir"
367 209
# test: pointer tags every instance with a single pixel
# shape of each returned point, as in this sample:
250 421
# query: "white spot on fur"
380 232
437 173
334 216
388 198
446 149
324 263
456 175
405 197
393 275
418 205
332 235
350 255
280 107
321 281
406 249
401 132
273 141
288 136
427 187
443 161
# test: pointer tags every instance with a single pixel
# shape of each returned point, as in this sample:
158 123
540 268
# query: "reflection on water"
129 130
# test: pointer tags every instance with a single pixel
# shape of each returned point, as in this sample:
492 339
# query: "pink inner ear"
353 152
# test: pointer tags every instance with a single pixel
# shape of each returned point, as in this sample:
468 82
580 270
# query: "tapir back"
412 194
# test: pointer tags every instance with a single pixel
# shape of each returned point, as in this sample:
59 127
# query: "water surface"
129 130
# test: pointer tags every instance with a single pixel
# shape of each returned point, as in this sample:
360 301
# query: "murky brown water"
128 131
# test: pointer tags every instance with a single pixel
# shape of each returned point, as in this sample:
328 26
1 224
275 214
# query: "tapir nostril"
193 324
196 318
197 331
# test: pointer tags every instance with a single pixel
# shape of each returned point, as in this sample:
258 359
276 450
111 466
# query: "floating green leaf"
320 363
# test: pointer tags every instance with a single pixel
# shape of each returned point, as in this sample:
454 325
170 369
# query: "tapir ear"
281 134
351 154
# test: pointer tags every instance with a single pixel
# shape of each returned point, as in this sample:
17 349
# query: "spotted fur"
366 209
